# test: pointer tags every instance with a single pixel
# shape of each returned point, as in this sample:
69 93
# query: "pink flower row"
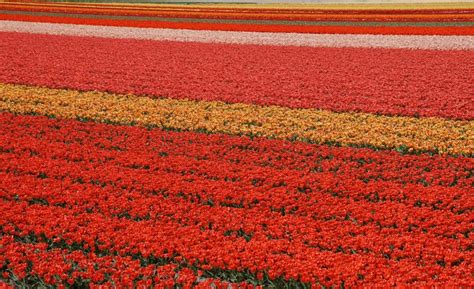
438 42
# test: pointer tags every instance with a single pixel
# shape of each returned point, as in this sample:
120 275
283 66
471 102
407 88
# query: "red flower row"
382 30
300 77
128 190
68 139
65 268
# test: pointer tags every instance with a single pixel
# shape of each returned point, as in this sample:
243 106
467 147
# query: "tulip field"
236 145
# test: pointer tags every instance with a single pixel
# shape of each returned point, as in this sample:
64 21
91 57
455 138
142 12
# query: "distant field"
304 3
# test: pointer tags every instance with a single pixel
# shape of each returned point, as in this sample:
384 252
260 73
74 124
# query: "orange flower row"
316 126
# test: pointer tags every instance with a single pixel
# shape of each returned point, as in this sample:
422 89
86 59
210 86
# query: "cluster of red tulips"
88 197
